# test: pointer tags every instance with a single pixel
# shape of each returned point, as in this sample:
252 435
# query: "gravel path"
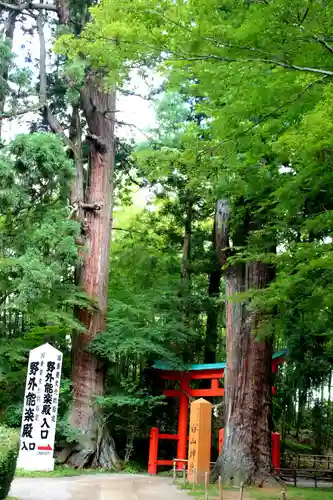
97 487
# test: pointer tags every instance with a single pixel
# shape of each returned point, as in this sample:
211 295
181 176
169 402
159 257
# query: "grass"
199 492
264 494
293 493
60 471
65 471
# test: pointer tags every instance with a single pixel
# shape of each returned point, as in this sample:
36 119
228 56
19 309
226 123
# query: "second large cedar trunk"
95 447
246 453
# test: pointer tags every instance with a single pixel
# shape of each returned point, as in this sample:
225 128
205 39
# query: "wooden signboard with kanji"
199 440
40 409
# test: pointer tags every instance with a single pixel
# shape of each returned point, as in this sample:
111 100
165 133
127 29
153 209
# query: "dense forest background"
243 145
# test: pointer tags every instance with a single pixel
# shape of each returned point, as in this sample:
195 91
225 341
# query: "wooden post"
241 490
221 440
193 478
153 451
220 489
174 472
206 485
184 474
200 438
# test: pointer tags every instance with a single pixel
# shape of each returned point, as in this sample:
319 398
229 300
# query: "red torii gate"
213 372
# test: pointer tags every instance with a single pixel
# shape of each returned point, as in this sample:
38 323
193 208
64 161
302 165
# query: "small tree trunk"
212 315
247 439
9 29
220 243
302 399
95 447
184 268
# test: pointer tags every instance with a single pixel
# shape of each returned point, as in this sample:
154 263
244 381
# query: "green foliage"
298 448
245 116
37 253
9 444
258 74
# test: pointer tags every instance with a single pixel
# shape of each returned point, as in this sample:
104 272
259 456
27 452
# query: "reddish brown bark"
63 11
247 439
95 446
246 455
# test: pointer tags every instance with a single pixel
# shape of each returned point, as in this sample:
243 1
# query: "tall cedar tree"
91 200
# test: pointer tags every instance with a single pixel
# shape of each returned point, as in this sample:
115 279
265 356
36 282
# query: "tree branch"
281 64
275 110
318 39
42 62
28 5
324 43
127 230
51 119
20 112
134 94
131 125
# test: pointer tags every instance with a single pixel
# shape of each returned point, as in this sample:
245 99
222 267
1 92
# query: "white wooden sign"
40 409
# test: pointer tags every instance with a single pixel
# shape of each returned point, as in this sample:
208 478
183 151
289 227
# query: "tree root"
93 449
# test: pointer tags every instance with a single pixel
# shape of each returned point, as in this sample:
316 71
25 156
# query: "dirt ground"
102 487
97 487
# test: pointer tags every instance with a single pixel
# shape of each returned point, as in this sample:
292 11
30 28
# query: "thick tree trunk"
95 446
246 453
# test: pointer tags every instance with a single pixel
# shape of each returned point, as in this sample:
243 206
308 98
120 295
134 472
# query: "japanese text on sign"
40 408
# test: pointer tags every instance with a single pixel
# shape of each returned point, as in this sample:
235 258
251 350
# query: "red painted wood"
176 393
276 450
167 462
153 451
200 393
182 428
215 384
206 374
169 436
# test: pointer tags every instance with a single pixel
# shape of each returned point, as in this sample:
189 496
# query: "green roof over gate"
160 365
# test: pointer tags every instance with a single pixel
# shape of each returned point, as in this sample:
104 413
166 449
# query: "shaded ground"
103 487
137 487
97 487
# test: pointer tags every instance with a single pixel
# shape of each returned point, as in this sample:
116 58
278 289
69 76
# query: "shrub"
9 445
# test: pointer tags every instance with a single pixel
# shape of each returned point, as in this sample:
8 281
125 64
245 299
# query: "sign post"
40 409
199 440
